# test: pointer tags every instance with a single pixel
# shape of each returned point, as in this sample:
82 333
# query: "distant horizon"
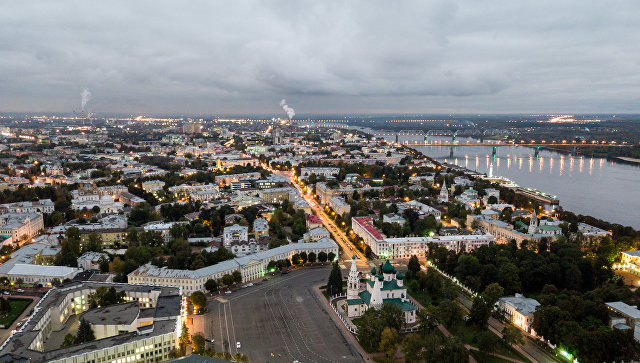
303 116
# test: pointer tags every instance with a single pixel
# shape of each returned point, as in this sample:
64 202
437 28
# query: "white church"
383 288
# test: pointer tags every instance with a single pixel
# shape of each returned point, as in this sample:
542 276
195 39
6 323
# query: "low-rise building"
519 310
326 172
91 260
146 328
235 234
39 274
21 226
224 180
40 206
316 234
251 267
405 247
339 205
260 228
277 195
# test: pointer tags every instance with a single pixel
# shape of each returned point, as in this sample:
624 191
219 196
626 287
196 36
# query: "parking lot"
282 319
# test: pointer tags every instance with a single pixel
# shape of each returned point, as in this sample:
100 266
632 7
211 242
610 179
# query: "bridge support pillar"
451 151
396 138
574 150
537 152
494 151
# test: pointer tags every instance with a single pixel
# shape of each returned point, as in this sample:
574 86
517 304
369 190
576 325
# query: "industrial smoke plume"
288 110
85 96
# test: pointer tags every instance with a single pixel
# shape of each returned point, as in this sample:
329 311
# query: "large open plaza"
284 316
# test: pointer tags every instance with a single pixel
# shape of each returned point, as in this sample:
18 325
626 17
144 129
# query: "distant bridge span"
537 146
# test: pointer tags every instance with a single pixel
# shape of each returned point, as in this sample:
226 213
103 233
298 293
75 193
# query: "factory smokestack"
85 96
288 110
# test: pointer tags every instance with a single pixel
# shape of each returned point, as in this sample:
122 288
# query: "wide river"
584 185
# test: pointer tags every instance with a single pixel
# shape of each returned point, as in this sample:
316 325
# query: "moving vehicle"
20 290
237 345
227 292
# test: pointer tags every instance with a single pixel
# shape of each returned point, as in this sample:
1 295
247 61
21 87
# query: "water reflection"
602 188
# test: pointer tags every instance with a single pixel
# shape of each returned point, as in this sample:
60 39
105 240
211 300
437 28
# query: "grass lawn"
17 307
466 332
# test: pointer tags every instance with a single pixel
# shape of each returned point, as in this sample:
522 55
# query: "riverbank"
626 160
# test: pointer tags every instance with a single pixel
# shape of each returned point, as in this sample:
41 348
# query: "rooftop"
627 310
117 314
524 305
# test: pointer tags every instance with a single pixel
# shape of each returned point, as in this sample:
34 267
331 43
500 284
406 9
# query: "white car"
20 290
250 284
227 292
237 345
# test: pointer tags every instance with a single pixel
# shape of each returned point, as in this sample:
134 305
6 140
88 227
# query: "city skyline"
414 57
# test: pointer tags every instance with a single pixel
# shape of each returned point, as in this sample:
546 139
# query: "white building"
443 197
235 234
326 172
19 225
40 274
152 186
405 247
339 205
260 228
91 260
40 206
519 310
251 267
145 329
316 234
424 209
106 203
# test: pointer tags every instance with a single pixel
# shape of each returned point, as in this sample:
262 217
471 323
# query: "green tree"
227 280
211 285
370 327
509 278
68 341
449 313
237 277
322 257
198 343
334 285
392 316
388 341
184 338
311 257
5 306
492 293
85 333
487 341
480 312
304 257
412 347
426 319
331 256
511 335
198 300
413 266
295 259
94 244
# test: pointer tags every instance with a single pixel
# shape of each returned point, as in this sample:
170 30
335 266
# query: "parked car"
20 290
250 284
6 292
227 292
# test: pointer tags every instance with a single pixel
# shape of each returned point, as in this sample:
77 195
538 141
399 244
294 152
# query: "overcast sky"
369 56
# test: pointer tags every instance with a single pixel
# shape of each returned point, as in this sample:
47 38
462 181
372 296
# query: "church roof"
404 305
365 296
387 268
388 285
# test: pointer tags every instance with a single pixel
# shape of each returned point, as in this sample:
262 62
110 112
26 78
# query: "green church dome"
387 268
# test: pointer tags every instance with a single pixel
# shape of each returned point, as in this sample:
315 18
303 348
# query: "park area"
17 306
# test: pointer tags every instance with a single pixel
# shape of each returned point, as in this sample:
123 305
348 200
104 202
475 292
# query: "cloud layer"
322 56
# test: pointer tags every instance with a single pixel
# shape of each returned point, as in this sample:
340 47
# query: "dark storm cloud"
322 56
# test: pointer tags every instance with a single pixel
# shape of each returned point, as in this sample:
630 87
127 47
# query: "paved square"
283 317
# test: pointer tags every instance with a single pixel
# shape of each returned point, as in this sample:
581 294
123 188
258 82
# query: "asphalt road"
283 317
